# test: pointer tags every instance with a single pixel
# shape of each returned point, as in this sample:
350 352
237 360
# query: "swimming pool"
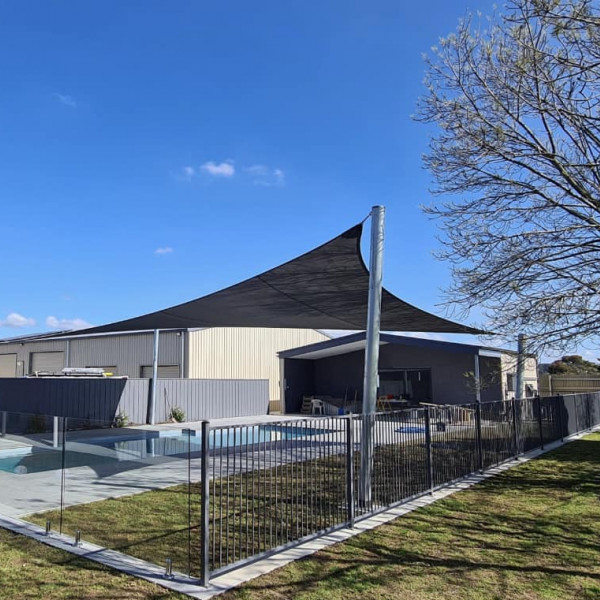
143 445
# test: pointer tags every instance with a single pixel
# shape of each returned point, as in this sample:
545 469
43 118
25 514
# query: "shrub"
177 414
121 419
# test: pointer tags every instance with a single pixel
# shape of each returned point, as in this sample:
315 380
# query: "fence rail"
218 497
272 488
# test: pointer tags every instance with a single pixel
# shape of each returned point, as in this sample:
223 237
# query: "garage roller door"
52 362
8 365
164 372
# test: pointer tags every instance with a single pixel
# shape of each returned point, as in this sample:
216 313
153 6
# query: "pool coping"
219 584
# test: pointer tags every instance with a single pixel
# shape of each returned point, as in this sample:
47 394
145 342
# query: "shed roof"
356 341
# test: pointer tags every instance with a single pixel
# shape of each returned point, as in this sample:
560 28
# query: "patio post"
371 353
477 379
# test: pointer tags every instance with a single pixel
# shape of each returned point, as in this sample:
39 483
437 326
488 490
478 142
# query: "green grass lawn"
531 533
29 569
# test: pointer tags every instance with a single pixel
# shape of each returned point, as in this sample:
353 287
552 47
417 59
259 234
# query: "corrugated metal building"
216 353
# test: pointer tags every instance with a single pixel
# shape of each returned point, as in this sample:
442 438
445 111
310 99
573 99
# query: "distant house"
215 353
410 369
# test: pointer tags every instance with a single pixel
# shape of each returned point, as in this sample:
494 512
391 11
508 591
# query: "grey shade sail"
326 288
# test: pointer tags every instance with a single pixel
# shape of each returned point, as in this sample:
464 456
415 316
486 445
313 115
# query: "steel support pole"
371 352
4 415
522 344
153 384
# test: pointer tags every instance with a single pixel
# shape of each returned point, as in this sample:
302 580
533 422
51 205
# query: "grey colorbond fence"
101 399
206 399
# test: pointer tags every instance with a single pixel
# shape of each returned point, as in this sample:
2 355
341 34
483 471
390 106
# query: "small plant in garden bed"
121 419
177 415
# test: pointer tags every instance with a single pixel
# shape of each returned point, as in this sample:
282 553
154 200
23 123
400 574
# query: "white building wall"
509 368
244 352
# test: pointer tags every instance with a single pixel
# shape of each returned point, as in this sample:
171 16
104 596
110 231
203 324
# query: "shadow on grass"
531 532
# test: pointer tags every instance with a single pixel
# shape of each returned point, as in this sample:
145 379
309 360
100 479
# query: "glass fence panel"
30 465
127 488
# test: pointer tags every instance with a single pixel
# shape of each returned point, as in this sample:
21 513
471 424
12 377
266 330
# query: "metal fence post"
63 467
541 426
589 411
515 427
479 439
429 453
559 416
204 515
350 468
3 432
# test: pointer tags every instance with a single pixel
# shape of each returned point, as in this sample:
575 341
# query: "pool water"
145 445
410 429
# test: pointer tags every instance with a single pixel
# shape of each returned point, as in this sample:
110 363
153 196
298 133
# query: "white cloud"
16 320
266 176
66 100
224 169
76 323
164 250
185 174
257 170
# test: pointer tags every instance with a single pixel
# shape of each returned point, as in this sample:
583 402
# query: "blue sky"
152 152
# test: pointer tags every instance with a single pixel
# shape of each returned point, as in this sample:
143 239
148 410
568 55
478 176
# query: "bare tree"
516 101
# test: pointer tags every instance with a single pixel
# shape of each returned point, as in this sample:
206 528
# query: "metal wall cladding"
24 351
101 399
244 352
203 399
82 398
127 352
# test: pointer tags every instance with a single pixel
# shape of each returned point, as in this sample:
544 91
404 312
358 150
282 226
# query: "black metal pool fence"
228 495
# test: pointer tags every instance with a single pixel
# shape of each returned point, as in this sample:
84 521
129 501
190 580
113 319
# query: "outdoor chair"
317 407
